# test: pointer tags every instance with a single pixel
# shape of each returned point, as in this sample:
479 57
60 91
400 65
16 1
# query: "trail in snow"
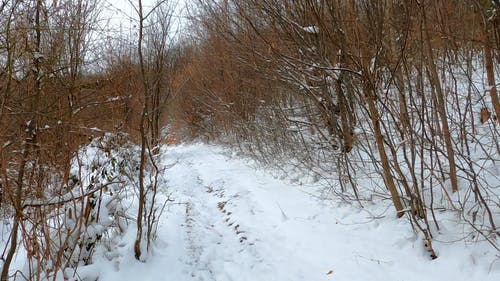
232 222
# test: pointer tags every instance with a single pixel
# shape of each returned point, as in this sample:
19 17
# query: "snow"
311 29
38 55
231 221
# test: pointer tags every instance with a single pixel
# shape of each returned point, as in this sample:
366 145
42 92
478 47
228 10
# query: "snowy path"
231 222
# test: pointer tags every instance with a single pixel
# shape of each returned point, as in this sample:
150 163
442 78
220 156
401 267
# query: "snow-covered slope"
231 221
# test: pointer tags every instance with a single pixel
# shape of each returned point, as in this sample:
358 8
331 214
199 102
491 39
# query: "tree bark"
379 139
143 132
441 105
490 74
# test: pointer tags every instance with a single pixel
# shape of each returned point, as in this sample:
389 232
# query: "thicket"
75 93
390 99
379 100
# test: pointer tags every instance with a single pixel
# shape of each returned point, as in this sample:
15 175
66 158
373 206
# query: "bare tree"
151 98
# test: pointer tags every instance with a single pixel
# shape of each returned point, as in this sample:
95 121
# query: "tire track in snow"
263 213
224 207
211 233
200 270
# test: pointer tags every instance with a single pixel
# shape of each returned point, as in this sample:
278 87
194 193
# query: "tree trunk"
144 141
490 74
441 105
379 139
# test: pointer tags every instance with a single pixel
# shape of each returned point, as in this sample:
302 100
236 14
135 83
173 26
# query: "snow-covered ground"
232 221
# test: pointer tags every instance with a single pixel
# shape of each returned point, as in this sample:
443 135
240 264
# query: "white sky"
121 11
118 21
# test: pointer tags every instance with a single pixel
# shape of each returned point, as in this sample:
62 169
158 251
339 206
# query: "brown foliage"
485 115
